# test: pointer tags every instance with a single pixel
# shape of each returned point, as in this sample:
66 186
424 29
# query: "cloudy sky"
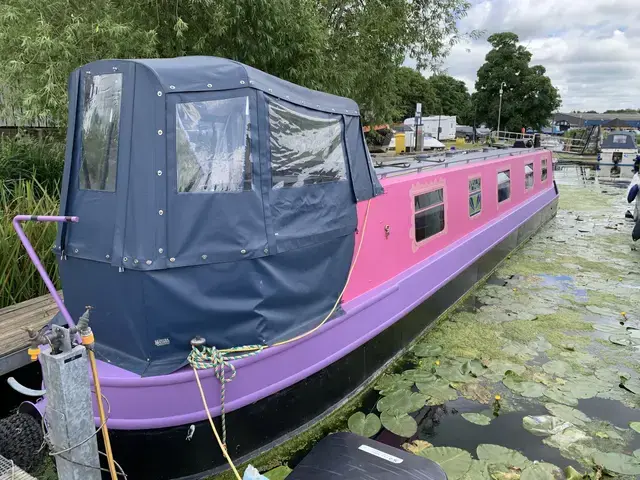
590 48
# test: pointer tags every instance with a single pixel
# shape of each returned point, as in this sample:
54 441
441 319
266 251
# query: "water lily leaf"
572 474
541 345
452 373
402 425
438 391
632 385
401 402
503 367
418 376
544 425
606 312
617 329
388 384
519 350
557 368
278 473
476 392
416 446
497 454
610 375
474 367
566 438
583 388
427 350
636 453
624 340
568 414
477 418
617 463
527 389
537 472
635 426
454 461
479 470
365 425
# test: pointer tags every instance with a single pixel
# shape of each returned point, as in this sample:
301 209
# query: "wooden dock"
9 471
14 320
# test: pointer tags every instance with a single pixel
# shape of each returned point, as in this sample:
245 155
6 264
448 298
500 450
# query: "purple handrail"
36 260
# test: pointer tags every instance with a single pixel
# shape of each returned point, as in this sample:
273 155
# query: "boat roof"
405 164
205 73
620 140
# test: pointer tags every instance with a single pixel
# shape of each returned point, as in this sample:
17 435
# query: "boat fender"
635 235
252 474
633 192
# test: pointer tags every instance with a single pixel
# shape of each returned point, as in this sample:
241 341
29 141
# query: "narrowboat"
220 205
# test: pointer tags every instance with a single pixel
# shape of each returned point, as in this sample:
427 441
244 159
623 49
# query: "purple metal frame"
36 260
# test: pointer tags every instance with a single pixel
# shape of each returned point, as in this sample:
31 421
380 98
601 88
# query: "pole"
475 109
500 108
440 115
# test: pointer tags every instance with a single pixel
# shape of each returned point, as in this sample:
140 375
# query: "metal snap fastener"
148 262
159 132
172 259
243 251
204 257
125 259
160 212
209 85
266 250
75 250
172 87
160 250
107 257
135 260
159 93
159 173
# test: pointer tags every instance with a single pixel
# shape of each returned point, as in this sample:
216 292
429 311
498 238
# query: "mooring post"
69 414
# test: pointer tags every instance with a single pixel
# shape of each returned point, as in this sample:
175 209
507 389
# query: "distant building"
581 120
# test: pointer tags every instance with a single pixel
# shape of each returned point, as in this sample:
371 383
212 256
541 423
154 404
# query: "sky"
590 48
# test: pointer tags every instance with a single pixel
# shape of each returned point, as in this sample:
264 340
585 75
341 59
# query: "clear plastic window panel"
305 150
504 185
619 139
428 199
528 176
429 222
213 146
100 128
543 174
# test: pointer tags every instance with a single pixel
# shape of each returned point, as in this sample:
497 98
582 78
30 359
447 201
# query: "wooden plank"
15 319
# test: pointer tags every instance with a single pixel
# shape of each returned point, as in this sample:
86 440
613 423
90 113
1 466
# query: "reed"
18 277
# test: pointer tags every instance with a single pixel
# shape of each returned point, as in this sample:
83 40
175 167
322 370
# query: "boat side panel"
384 256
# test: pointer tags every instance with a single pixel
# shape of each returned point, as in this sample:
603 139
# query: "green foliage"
346 47
453 97
528 99
18 276
412 87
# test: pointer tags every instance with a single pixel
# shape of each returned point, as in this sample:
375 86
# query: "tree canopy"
528 99
347 47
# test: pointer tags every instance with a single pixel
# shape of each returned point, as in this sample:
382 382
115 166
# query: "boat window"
213 145
543 170
305 149
100 126
429 214
619 139
504 185
475 196
528 176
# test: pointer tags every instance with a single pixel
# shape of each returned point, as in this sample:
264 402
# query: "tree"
411 87
346 47
453 97
528 98
623 110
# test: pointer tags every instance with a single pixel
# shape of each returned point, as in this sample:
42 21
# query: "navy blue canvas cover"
619 140
213 200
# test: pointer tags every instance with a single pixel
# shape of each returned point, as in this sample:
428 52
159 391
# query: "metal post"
69 414
500 108
440 115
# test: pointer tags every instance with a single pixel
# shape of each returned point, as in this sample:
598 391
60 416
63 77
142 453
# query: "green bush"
25 157
19 279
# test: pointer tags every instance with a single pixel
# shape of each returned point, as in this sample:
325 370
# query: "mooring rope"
203 358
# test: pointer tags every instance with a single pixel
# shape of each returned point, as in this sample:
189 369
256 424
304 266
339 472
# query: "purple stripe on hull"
165 401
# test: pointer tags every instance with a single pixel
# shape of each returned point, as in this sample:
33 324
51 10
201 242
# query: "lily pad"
617 463
617 329
452 373
519 350
416 446
365 425
427 350
476 391
479 470
503 367
632 385
497 454
609 375
635 426
605 312
418 376
568 414
580 388
636 453
541 345
623 340
278 473
537 472
566 438
402 425
557 368
438 391
477 418
571 473
401 402
388 384
526 389
454 461
474 367
544 425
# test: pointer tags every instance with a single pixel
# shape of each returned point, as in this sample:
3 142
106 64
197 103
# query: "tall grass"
25 157
18 277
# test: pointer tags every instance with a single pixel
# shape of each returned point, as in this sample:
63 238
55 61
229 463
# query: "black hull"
161 454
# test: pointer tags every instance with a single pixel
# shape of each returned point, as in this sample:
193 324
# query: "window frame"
544 173
533 176
81 153
416 191
502 169
472 192
305 111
